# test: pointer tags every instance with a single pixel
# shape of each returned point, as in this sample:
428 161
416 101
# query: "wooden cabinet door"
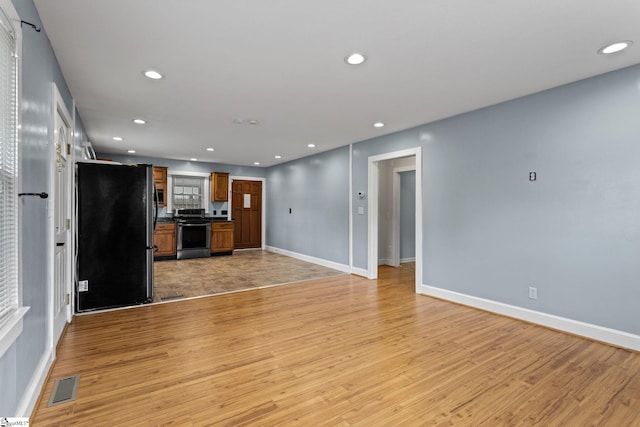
160 180
165 240
219 186
160 174
222 237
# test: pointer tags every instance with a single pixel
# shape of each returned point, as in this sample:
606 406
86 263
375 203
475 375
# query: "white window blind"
8 169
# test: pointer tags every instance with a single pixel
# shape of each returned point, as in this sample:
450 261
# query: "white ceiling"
281 62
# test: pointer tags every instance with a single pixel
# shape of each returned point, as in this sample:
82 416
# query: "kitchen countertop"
168 219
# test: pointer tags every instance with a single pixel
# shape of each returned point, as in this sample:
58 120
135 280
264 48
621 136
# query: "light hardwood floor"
340 351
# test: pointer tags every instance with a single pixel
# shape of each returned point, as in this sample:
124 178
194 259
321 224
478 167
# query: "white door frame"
263 231
58 106
373 190
395 215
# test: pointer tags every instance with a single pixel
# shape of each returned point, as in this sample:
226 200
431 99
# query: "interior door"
62 224
246 206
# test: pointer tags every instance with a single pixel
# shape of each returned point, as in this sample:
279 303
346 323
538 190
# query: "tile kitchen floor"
177 279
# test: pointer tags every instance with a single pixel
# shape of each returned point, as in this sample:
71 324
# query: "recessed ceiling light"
253 122
131 151
139 121
193 159
615 47
118 138
378 125
256 163
355 59
153 74
311 145
211 149
278 157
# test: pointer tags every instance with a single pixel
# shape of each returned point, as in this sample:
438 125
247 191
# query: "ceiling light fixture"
311 145
278 157
154 75
193 159
211 149
131 151
355 58
256 163
378 124
615 47
118 138
139 121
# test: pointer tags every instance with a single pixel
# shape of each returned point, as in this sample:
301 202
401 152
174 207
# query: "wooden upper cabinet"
219 186
160 180
160 174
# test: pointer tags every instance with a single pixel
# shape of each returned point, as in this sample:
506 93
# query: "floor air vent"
64 390
170 297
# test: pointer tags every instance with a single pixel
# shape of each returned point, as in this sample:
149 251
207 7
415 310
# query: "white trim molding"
30 397
587 330
360 272
319 261
372 226
11 329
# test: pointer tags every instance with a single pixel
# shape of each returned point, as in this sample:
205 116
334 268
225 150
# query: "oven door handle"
194 225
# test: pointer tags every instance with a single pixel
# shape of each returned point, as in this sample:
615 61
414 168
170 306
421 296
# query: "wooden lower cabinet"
165 239
221 237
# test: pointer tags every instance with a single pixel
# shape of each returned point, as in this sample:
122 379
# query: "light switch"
360 210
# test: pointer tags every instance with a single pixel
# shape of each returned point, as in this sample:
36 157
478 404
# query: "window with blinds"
8 168
187 192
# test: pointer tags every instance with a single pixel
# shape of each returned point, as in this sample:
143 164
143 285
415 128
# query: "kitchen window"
11 312
188 190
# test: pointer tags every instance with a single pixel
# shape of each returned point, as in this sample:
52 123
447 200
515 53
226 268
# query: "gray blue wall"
39 70
574 233
407 215
316 189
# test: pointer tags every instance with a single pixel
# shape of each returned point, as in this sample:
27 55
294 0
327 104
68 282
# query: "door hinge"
67 299
68 223
68 149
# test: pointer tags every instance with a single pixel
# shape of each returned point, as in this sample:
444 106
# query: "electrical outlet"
83 286
533 292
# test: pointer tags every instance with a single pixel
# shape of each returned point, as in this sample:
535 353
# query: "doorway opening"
385 226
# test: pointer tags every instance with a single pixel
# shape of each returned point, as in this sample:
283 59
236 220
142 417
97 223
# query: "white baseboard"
403 260
323 262
360 272
587 330
385 262
31 394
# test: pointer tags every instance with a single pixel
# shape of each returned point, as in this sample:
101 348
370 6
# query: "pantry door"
246 207
60 296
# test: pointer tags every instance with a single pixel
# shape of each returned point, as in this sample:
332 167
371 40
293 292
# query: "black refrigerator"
115 235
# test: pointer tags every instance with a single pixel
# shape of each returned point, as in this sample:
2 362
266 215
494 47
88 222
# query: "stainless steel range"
194 234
